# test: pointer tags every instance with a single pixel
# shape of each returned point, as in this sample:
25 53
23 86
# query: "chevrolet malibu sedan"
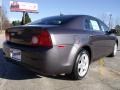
60 44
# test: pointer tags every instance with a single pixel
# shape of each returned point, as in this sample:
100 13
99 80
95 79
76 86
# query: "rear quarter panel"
73 40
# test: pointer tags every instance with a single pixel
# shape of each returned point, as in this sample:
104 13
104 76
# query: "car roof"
77 16
83 16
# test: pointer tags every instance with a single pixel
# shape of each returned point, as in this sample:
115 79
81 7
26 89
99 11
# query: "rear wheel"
81 66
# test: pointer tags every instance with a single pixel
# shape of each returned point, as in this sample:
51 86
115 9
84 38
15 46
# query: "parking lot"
103 74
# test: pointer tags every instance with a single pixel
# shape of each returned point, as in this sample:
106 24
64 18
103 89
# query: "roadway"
103 74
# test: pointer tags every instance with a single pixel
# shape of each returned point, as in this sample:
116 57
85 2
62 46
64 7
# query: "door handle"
91 35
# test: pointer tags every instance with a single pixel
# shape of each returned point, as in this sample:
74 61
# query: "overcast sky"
97 8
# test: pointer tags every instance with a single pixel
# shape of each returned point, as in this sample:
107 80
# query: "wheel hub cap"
83 64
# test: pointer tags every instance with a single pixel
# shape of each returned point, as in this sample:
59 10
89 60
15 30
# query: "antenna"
61 14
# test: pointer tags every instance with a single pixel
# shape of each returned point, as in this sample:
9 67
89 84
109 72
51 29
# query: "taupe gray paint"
56 60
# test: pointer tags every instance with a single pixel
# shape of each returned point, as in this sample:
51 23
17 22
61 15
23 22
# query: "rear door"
98 39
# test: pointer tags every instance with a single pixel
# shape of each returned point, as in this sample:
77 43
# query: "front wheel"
114 52
81 65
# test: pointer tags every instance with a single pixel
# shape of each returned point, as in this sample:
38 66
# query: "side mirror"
112 31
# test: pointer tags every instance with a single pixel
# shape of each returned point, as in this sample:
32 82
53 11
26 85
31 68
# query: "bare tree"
4 23
108 19
104 17
117 21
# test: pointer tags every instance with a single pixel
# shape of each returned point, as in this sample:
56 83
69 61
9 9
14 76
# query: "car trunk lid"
23 34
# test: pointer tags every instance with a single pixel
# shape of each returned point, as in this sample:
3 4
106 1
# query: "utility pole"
1 16
24 17
110 21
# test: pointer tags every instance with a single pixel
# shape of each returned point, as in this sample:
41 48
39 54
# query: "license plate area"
15 54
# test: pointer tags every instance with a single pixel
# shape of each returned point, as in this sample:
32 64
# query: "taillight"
7 35
43 39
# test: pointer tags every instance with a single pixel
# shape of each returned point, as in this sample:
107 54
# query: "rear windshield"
56 20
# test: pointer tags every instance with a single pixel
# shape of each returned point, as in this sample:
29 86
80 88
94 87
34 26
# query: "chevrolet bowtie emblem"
12 34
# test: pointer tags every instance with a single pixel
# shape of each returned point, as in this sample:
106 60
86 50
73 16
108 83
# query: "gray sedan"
60 44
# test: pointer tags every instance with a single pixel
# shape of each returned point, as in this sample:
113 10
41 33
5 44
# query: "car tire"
81 65
114 52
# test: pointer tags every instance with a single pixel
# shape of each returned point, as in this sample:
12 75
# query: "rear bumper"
46 61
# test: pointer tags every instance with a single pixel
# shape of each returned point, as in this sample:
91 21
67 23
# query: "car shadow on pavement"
14 72
61 77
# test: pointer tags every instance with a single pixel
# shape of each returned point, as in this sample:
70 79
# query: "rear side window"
95 25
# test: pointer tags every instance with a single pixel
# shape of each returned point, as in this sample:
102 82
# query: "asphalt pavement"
103 74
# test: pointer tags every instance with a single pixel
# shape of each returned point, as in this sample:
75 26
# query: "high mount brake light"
43 39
